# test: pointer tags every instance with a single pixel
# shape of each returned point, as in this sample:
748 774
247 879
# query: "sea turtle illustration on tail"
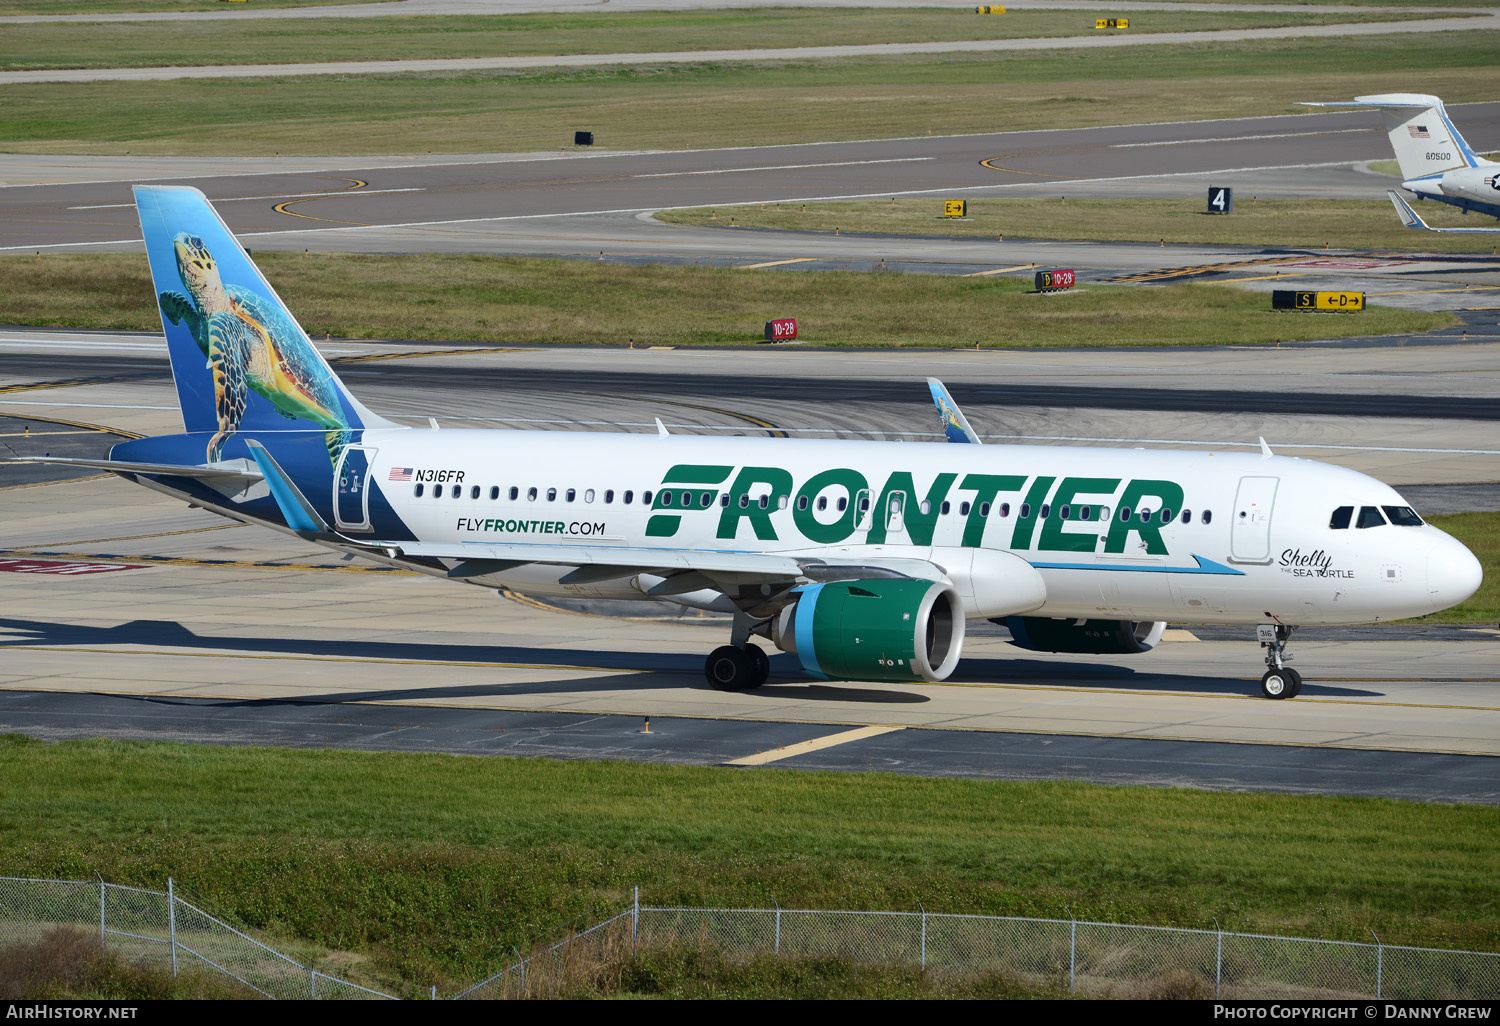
251 345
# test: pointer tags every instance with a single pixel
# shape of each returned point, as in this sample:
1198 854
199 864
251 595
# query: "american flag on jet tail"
1418 131
400 474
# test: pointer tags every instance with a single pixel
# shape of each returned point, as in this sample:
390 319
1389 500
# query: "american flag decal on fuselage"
400 474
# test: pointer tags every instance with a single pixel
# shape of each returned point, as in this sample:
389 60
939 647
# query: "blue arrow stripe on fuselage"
1205 566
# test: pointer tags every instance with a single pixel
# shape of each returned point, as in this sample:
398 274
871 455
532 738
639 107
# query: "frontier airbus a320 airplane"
864 560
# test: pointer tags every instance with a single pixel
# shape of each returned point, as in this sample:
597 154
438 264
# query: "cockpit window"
1341 517
1369 516
1402 516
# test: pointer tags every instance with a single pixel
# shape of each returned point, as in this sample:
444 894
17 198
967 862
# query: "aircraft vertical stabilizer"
240 360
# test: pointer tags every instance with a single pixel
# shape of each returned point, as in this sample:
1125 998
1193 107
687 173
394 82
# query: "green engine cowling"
877 630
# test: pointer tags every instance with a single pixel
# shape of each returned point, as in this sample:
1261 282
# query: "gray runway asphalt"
1413 776
462 195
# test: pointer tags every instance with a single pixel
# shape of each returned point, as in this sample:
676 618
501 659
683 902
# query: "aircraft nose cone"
1453 573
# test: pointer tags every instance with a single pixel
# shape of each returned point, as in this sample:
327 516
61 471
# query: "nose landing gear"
1280 680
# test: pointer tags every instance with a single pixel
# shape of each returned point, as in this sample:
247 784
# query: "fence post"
1072 947
312 981
1218 959
924 933
101 910
778 923
1379 958
635 918
172 922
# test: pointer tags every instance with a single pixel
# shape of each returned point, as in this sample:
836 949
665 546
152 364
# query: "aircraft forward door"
1250 535
351 488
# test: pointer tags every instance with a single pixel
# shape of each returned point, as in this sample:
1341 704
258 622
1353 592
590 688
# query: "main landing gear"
739 665
737 669
1280 680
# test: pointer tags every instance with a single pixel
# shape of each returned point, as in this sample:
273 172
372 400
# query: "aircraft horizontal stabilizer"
1411 219
227 471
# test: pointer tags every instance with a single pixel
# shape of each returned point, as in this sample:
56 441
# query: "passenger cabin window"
551 494
801 502
1208 516
1065 511
609 496
706 499
588 496
984 509
531 494
1166 516
843 504
724 499
1004 509
1402 516
514 493
1025 511
945 507
744 502
1187 516
1124 513
1340 519
572 494
474 492
629 495
417 491
646 498
494 492
1369 516
963 509
1046 510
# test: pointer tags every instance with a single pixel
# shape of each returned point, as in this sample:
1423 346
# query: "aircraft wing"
1412 219
480 558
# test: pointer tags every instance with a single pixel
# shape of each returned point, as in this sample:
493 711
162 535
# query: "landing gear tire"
1282 683
730 669
760 665
1296 682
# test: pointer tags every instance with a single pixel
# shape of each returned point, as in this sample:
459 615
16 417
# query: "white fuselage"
1226 537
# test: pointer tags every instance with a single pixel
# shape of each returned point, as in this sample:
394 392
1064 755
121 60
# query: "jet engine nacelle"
1097 637
878 630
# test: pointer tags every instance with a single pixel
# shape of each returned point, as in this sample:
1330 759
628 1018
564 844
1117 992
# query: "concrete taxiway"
250 637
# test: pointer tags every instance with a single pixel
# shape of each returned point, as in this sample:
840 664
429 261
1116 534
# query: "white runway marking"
782 167
1238 138
275 196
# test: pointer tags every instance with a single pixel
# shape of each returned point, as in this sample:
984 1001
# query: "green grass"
690 105
13 7
280 41
496 299
433 866
1296 223
1481 533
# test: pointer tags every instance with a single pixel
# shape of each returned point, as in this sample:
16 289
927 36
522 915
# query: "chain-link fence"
1086 958
170 929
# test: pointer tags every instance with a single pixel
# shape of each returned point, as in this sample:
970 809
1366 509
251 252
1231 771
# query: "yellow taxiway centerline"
816 744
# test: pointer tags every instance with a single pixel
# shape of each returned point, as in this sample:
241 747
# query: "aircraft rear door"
351 488
1250 535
